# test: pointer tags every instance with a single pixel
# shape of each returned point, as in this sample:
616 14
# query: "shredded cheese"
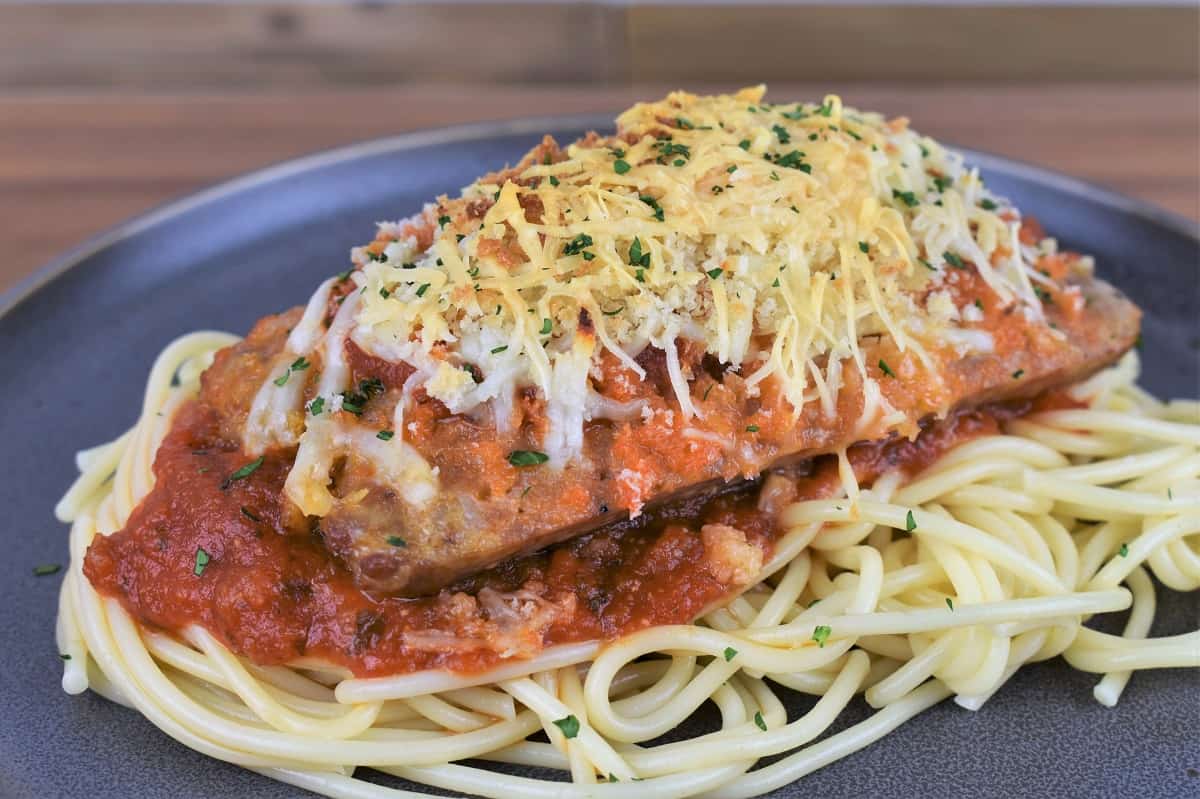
775 236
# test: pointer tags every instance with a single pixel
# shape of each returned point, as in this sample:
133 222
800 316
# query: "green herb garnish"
568 725
527 457
202 559
244 472
577 245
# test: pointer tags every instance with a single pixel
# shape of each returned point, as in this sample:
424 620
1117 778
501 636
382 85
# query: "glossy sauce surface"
274 594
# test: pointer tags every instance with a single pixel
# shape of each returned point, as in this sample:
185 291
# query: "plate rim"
59 266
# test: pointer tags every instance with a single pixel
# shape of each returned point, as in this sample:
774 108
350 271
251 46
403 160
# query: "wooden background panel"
73 165
247 47
945 43
273 46
927 42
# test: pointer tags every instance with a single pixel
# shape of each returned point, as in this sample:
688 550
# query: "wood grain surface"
72 164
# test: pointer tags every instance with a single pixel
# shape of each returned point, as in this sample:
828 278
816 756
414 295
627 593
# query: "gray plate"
77 340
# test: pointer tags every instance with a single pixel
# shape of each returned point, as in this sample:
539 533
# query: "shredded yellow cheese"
774 235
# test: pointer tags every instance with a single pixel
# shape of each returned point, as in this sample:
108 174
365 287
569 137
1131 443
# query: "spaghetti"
908 591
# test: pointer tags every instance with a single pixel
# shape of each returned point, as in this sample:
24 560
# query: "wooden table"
72 165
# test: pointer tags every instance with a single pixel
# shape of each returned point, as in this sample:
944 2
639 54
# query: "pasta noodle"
908 593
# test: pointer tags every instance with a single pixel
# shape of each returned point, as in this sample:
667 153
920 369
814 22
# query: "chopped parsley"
244 472
64 656
1123 551
46 569
953 260
383 292
887 370
751 428
927 265
781 133
500 349
443 221
613 312
620 166
744 144
577 245
421 289
730 653
714 273
568 725
942 183
202 559
527 457
251 515
547 326
906 197
793 160
636 256
553 180
864 247
732 168
354 399
396 541
910 523
759 722
1017 374
653 203
683 124
826 109
821 634
950 603
987 204
385 435
298 365
316 406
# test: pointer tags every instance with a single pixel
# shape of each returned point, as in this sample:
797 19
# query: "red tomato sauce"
275 595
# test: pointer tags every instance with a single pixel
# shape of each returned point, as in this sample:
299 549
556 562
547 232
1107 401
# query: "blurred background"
107 109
